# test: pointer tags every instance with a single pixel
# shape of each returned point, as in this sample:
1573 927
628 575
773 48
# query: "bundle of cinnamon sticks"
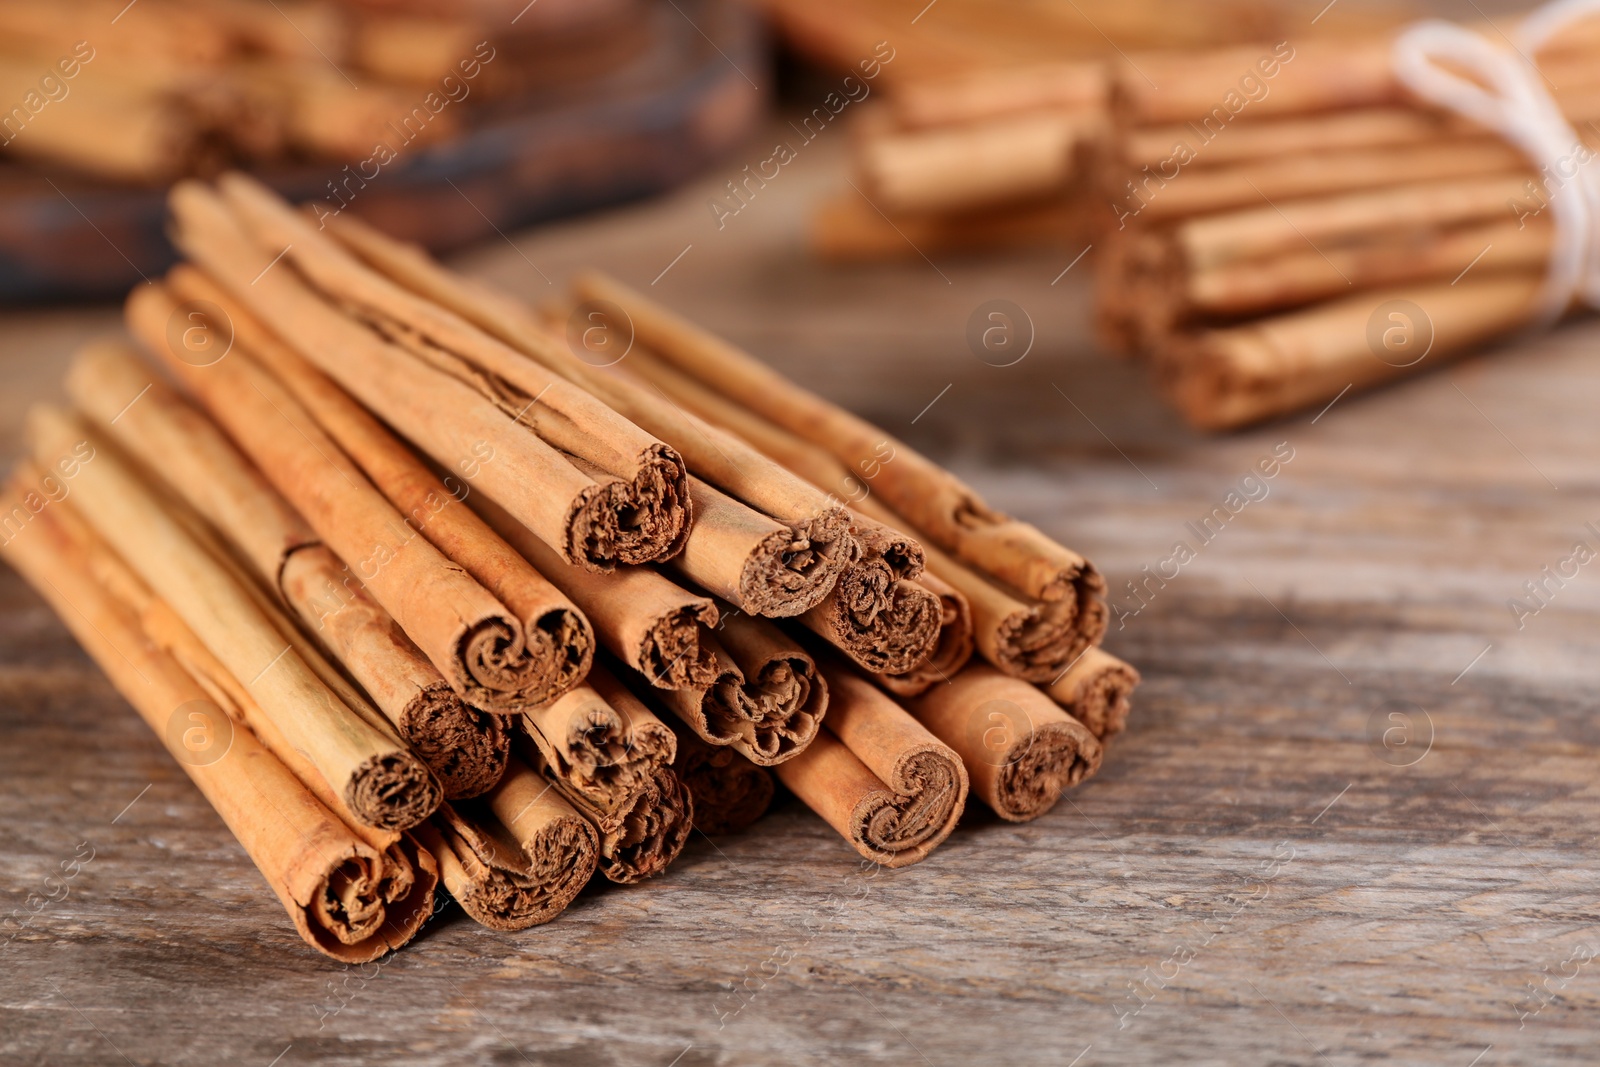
147 93
988 122
416 590
1288 222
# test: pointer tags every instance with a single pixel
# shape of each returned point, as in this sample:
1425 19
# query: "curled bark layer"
768 698
886 784
1097 691
515 858
729 792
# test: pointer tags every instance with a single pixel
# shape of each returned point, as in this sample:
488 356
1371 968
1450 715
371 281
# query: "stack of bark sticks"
984 121
149 92
416 590
1287 223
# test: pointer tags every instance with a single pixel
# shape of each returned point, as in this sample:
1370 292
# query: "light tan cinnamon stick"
955 645
557 638
516 857
601 740
383 784
875 775
643 618
1021 750
346 898
767 699
762 539
639 836
936 504
595 523
1097 691
468 635
986 93
1223 379
729 792
465 748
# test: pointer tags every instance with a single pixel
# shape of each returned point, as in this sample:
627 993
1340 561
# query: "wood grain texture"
1409 909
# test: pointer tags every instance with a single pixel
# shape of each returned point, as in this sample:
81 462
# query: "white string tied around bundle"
1509 97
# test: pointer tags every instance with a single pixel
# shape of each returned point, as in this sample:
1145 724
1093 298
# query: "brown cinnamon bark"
767 700
639 836
847 229
633 516
383 784
885 624
985 93
558 642
1034 640
1224 379
465 748
601 740
729 792
880 779
955 643
348 898
1021 750
962 167
936 504
762 539
1097 691
516 857
644 619
470 637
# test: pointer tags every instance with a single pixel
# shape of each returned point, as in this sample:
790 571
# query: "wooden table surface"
1353 820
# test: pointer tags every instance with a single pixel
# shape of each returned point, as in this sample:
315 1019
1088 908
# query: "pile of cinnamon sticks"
418 589
149 92
1287 222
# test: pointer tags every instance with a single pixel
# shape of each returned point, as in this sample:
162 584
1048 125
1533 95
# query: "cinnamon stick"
728 791
347 898
465 748
875 775
767 699
639 836
1097 691
383 784
516 857
1021 750
595 517
601 740
762 539
1226 378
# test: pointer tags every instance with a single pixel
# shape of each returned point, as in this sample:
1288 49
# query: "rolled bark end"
886 625
1037 645
1020 749
507 668
794 569
673 656
393 792
951 651
465 748
350 905
729 792
1041 766
904 826
786 702
560 860
636 521
646 834
1097 690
